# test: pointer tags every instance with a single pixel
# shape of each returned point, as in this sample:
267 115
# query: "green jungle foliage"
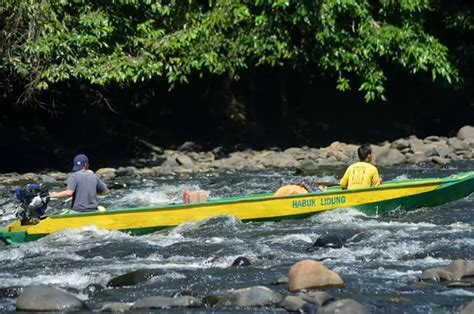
125 42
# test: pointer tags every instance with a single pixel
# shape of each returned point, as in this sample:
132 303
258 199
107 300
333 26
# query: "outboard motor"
34 201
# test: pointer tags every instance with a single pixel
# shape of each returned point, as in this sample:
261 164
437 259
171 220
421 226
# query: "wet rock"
416 145
167 169
160 302
203 157
232 162
115 307
106 173
344 306
461 268
212 300
189 147
466 132
431 139
307 167
400 144
457 270
398 299
47 179
454 157
297 153
253 296
458 145
318 297
389 156
310 308
468 309
280 281
45 298
443 151
126 171
10 292
440 160
334 241
460 284
436 274
116 185
241 261
310 274
92 289
185 161
148 172
134 277
421 285
58 176
417 158
292 303
278 160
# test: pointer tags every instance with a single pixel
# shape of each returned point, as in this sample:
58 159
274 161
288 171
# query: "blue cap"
79 162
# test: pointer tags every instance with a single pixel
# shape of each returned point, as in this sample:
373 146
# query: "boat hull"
403 195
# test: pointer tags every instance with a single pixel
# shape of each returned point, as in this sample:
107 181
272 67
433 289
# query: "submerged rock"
344 306
92 289
134 277
459 271
45 298
334 241
241 261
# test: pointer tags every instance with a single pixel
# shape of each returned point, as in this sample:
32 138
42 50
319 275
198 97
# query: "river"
384 256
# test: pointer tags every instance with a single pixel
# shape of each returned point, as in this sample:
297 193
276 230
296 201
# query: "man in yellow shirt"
361 174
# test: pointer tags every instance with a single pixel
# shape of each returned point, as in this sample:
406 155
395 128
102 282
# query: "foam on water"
84 234
78 279
291 238
457 292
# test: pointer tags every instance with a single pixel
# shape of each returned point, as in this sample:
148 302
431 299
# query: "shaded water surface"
382 260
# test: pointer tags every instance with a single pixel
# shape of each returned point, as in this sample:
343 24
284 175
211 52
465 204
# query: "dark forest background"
94 77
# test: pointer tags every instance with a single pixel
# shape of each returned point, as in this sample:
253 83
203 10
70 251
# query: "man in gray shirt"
83 185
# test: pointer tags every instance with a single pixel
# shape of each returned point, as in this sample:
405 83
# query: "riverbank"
189 159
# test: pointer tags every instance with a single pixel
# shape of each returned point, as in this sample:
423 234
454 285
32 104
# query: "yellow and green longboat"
392 195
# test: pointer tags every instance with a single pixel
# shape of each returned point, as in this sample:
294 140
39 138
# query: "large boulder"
310 274
389 156
45 298
466 133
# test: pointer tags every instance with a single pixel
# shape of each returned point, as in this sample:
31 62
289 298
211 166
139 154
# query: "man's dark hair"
363 151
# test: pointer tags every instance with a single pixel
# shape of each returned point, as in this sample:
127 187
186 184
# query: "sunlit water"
382 260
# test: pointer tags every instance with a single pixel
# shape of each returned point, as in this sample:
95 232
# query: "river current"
380 264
